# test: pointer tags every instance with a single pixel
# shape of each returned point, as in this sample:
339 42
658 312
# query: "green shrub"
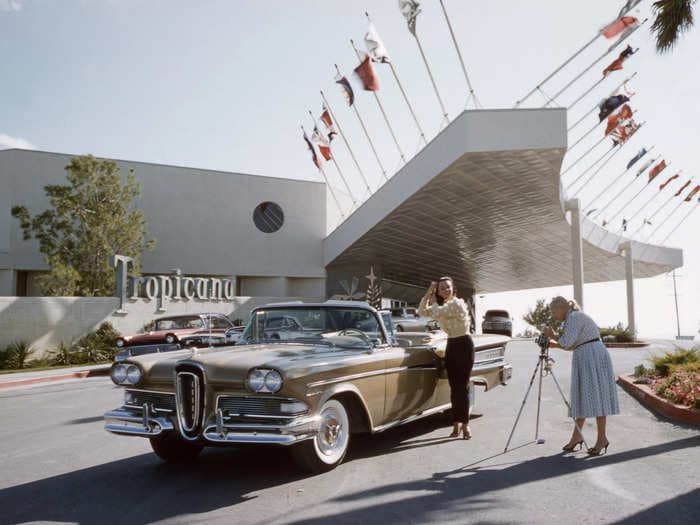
16 355
680 356
619 332
97 346
642 371
63 355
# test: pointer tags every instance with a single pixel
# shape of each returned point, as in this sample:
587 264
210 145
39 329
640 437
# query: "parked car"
497 322
345 372
203 329
407 320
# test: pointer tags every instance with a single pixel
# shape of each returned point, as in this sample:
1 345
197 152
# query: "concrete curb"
59 376
639 344
657 404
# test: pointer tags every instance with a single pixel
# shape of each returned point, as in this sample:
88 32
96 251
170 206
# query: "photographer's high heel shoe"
597 451
573 446
466 432
455 432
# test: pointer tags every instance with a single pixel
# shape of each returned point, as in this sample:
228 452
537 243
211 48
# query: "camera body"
542 341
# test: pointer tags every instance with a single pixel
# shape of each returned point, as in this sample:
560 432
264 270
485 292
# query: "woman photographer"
593 391
451 313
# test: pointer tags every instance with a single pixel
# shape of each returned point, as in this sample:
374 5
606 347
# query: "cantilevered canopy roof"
482 202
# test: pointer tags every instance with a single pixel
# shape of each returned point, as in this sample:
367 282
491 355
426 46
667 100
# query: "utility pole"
675 297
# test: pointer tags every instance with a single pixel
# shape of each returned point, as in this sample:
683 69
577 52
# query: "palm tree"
673 17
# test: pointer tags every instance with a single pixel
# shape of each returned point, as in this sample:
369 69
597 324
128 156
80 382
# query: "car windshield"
497 313
343 327
178 323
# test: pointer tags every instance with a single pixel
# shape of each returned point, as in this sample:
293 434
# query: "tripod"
544 366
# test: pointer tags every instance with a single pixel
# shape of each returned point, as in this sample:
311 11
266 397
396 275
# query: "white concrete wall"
44 322
201 219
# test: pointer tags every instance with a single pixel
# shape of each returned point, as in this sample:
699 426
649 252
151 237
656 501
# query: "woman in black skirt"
451 313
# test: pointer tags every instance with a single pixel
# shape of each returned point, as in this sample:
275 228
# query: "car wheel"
170 339
327 449
172 448
399 328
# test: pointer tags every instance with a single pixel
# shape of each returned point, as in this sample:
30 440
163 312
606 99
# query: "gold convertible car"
305 375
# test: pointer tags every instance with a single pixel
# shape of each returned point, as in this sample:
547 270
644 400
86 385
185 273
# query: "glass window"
220 322
268 217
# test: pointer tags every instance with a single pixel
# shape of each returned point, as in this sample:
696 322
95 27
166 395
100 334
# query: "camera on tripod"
543 342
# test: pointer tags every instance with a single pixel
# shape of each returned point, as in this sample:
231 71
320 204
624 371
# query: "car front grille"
160 401
250 409
189 399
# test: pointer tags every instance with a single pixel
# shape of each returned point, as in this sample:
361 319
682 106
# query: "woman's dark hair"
439 300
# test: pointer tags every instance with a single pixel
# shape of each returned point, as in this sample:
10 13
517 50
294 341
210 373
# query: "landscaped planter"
645 395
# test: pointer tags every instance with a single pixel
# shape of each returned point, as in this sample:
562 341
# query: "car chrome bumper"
506 374
131 423
297 430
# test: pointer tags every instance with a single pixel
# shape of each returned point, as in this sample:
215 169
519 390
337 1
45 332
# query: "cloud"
11 5
7 142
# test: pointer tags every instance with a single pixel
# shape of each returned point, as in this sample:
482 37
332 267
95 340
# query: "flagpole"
381 108
432 80
403 92
682 221
549 77
364 128
596 106
641 208
619 148
337 167
614 181
592 176
586 153
347 144
595 163
325 178
632 199
572 104
625 37
621 192
591 131
657 209
477 104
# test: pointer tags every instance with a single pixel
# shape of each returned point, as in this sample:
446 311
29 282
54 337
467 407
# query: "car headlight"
264 380
133 375
120 343
118 374
170 339
273 381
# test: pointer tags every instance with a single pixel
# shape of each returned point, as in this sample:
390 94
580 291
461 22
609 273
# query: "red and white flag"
692 193
328 122
314 156
322 143
682 188
369 78
622 115
618 26
653 172
672 178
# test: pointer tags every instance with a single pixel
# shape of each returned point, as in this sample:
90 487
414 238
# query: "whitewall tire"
327 449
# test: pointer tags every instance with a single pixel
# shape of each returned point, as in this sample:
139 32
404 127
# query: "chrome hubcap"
333 436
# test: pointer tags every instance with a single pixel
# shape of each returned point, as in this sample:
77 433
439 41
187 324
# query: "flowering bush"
680 386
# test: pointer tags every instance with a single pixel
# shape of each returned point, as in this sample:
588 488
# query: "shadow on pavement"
685 506
466 488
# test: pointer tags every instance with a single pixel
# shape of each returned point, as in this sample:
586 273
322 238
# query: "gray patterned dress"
593 390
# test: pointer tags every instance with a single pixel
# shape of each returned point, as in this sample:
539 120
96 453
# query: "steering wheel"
356 331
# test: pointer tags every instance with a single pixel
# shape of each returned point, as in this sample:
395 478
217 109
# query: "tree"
90 219
673 17
541 316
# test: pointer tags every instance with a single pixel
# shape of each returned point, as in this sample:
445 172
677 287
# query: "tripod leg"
568 406
522 405
539 401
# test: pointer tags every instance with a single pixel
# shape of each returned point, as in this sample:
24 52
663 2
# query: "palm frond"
673 17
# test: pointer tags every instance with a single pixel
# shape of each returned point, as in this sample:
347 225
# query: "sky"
226 84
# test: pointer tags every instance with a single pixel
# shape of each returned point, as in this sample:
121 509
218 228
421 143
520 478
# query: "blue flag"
638 156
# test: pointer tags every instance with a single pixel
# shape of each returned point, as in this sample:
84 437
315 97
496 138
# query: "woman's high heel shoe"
466 432
455 432
573 446
597 451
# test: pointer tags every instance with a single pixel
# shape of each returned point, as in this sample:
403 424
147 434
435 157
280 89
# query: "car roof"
197 314
334 303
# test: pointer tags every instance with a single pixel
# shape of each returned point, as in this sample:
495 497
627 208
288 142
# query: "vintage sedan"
346 372
201 329
408 320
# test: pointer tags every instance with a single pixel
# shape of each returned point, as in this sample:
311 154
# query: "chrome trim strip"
194 401
425 413
155 409
352 377
149 391
127 423
261 416
259 438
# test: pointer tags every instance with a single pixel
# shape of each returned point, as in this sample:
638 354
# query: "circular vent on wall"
268 217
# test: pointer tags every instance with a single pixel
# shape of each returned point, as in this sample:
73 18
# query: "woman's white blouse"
452 316
578 329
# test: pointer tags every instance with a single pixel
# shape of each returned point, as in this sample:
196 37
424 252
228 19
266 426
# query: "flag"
629 5
610 104
322 143
375 46
314 157
590 211
638 156
624 131
616 64
613 120
369 79
692 193
644 167
347 89
328 121
674 177
646 221
683 187
410 11
624 225
653 172
618 26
